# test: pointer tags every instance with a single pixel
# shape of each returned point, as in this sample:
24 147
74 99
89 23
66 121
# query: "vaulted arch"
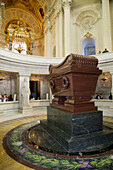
15 13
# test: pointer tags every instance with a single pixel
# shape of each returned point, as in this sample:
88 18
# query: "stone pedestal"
77 132
73 120
25 110
75 124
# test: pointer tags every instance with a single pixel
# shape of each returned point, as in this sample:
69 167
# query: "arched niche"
88 46
15 13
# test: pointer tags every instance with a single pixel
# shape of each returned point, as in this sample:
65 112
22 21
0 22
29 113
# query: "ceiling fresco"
37 7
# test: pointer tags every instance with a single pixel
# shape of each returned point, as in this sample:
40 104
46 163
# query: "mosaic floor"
39 160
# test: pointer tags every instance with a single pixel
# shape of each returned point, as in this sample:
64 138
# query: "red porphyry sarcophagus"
73 83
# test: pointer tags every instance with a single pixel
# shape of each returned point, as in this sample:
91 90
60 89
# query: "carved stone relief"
87 19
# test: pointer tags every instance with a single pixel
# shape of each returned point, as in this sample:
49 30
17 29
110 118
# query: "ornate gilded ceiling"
37 7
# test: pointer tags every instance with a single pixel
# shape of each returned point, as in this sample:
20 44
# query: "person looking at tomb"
110 96
99 52
97 96
5 98
100 96
34 95
0 98
105 51
10 98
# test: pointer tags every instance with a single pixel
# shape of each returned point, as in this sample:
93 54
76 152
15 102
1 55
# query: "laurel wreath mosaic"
18 147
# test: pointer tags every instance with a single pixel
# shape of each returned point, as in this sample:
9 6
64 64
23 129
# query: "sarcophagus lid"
72 62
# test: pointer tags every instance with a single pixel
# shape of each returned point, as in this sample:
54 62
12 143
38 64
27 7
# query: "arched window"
88 46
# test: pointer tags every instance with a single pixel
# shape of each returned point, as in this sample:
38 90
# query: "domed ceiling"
36 7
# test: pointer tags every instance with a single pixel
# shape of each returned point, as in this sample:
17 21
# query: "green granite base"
81 132
75 124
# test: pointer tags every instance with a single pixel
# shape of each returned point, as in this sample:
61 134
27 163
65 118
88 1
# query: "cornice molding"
19 63
66 3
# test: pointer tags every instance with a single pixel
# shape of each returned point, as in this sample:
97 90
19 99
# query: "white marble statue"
25 93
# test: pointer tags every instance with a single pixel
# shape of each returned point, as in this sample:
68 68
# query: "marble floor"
10 116
6 162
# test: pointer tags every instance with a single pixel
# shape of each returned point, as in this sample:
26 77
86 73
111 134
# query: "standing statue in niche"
25 94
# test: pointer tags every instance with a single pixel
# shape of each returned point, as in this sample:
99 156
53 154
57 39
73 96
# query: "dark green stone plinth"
75 124
81 132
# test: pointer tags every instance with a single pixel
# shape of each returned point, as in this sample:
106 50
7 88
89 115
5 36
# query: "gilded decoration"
17 13
88 35
19 32
29 5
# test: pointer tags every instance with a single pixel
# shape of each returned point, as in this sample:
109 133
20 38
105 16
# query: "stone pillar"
57 35
61 33
51 96
67 30
45 43
23 93
49 40
11 82
44 88
107 43
112 84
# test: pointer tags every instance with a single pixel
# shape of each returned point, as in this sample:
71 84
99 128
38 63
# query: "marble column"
67 30
49 40
45 43
106 27
112 83
61 33
57 34
23 93
11 82
51 97
44 88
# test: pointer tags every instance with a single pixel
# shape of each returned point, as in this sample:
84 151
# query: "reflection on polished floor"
6 162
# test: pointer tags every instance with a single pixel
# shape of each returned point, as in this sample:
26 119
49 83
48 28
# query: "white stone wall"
44 89
8 85
111 12
84 17
38 46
